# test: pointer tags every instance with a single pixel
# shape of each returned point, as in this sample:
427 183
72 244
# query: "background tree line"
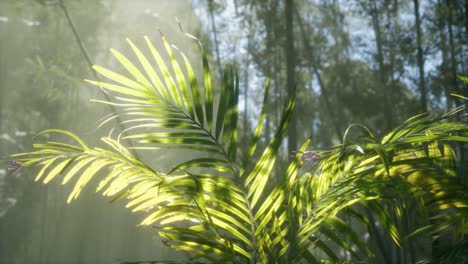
372 62
376 62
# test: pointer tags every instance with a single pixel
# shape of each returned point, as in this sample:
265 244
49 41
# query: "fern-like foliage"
220 208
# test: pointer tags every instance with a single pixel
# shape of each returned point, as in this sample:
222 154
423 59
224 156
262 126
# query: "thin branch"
90 65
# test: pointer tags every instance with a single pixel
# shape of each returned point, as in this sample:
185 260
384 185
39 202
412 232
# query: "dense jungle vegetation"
241 131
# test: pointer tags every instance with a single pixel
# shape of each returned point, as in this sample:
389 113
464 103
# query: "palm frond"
219 209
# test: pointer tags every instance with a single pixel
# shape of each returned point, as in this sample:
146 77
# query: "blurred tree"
419 47
41 69
348 86
40 81
290 54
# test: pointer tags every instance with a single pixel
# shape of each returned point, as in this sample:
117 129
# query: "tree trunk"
246 75
315 67
215 36
268 72
466 16
453 61
290 70
422 82
444 49
276 75
374 12
246 89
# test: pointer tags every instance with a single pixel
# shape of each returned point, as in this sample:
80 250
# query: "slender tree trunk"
277 92
462 38
391 17
453 61
309 54
269 27
381 64
246 90
269 56
290 70
451 5
90 65
3 64
326 97
466 17
444 49
422 82
246 75
236 7
215 36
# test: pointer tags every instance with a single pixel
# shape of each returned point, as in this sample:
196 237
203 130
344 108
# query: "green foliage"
222 209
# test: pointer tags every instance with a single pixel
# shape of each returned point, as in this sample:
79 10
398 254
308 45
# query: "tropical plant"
226 209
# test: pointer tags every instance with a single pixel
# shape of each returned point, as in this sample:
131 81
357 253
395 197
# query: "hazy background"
41 73
376 62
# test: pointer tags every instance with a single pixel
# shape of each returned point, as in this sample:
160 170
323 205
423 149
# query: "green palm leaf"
221 211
